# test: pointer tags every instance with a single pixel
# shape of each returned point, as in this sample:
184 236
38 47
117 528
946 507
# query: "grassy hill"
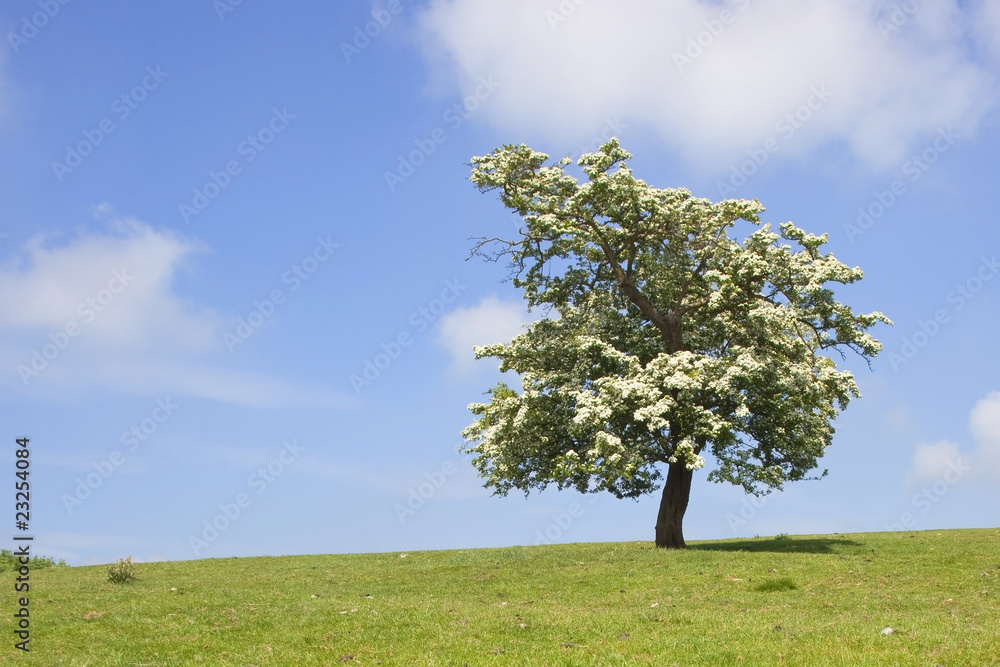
805 600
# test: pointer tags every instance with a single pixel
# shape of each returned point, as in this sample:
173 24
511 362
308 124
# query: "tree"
670 338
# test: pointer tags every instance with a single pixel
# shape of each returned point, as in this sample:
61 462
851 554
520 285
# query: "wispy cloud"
101 311
149 376
490 321
985 21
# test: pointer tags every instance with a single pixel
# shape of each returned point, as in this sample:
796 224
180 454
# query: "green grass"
804 600
772 585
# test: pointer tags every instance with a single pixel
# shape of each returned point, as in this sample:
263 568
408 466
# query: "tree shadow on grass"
791 545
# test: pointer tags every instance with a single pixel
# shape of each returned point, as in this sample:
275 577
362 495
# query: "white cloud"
117 287
491 321
889 92
984 422
932 462
986 26
101 312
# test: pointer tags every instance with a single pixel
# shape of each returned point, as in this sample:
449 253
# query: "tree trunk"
673 503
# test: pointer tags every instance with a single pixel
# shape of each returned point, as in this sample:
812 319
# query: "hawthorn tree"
671 339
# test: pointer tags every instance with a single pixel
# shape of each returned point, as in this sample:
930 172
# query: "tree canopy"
670 338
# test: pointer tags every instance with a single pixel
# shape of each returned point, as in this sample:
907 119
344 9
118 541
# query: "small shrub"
8 561
121 572
782 536
774 585
42 562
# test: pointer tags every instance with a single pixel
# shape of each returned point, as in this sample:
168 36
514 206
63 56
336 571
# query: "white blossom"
605 390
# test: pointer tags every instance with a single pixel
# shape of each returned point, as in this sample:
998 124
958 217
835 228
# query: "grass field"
804 600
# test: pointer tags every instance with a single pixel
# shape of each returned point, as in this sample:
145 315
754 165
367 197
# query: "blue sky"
215 214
